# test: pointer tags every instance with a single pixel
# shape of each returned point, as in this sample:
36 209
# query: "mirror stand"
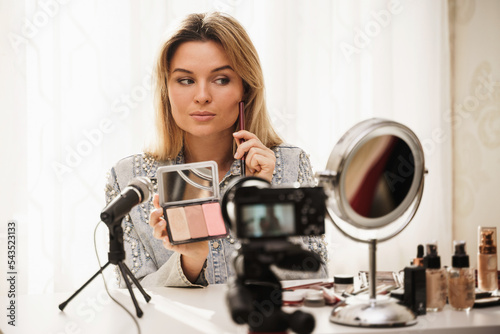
377 312
374 181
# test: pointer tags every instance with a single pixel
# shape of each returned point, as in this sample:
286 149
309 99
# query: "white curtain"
78 97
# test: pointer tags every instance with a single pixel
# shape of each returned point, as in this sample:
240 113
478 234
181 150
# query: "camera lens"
228 206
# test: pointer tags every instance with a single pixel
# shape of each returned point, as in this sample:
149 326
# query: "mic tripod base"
126 273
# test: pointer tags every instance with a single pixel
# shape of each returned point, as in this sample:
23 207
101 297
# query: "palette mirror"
187 185
374 181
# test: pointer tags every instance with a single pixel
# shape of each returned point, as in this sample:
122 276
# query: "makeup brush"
242 127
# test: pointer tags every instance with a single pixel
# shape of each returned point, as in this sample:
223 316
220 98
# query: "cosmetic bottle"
419 260
487 259
435 279
415 296
314 298
343 283
461 280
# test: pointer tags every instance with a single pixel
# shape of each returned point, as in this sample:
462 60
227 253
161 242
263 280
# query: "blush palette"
189 196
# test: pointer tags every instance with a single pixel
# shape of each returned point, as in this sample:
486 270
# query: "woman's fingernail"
236 155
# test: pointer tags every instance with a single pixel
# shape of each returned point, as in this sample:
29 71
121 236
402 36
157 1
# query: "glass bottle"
487 259
461 280
435 279
419 260
343 283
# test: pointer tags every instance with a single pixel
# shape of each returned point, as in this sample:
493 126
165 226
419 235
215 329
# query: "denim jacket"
154 265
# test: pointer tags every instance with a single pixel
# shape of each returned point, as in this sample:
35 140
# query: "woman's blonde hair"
226 31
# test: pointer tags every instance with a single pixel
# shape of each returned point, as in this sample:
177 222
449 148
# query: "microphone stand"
116 255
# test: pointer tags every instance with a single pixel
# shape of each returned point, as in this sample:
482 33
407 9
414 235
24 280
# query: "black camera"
279 212
258 211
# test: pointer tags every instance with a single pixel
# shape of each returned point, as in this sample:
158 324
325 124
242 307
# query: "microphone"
137 191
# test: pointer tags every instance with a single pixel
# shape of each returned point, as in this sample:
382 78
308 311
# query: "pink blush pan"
196 221
213 217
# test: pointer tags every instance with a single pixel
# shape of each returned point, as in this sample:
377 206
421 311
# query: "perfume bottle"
487 259
435 279
461 280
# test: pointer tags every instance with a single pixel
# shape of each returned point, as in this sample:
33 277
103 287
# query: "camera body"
270 213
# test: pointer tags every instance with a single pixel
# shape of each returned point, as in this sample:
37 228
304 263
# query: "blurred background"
76 96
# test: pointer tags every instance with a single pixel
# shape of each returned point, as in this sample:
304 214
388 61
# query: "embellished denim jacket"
154 265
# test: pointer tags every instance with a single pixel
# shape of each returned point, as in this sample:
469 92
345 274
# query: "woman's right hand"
193 255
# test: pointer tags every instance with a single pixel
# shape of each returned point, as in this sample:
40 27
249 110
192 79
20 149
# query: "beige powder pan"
178 224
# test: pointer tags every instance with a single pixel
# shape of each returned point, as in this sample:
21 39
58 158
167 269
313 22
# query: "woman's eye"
185 81
222 81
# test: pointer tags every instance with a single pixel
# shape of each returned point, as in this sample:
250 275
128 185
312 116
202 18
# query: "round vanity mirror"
374 181
373 185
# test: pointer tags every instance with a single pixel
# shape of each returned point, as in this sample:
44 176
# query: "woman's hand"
193 255
260 160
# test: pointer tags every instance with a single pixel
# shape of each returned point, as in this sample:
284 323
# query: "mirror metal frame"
348 221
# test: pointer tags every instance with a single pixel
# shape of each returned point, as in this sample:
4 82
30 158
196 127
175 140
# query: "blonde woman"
204 70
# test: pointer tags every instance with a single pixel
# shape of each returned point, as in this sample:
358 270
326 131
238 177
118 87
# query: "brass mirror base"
375 313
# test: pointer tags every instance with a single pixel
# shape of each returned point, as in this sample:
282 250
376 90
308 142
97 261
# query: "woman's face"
204 90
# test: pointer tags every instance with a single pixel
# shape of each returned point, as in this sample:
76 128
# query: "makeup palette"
189 196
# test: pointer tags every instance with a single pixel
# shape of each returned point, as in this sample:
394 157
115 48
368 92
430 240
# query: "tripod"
254 296
116 255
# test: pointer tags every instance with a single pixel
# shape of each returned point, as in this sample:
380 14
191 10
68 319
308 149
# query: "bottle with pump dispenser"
487 259
461 284
435 279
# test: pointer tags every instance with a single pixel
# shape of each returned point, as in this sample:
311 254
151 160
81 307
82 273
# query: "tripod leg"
137 283
63 305
129 287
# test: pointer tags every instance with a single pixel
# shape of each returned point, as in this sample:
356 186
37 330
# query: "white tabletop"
180 310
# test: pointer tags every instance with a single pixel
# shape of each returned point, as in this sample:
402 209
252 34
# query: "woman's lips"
202 116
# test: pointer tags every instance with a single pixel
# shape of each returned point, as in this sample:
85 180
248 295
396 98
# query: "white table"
177 310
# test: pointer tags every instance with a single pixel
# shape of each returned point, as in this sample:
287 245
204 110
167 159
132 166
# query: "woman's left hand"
259 160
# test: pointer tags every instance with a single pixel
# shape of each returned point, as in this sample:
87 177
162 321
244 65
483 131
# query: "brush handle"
242 127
